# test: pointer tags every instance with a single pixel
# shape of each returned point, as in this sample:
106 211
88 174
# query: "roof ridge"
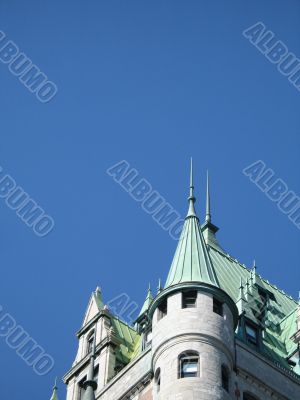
287 316
116 317
231 258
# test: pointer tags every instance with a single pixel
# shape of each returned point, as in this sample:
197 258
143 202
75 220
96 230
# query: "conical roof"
192 262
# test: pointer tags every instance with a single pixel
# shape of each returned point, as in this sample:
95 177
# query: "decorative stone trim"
192 337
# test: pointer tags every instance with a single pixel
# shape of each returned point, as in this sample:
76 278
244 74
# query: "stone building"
217 330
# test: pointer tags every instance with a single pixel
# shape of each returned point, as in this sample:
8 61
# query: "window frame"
218 307
162 309
189 299
184 358
89 342
250 338
225 376
80 388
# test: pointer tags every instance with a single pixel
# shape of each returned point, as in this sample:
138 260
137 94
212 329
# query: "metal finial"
241 284
242 295
191 199
159 287
54 391
208 214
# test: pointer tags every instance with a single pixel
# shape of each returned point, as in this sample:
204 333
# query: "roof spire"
208 214
191 262
241 299
191 198
147 303
208 228
54 393
242 296
90 385
159 287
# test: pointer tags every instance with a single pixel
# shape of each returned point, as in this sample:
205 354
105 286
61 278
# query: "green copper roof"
147 302
54 393
129 338
199 258
191 262
279 318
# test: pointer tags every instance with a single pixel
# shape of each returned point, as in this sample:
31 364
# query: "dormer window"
251 332
189 299
162 309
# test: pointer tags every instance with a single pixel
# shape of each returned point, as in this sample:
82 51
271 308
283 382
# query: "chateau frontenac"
216 330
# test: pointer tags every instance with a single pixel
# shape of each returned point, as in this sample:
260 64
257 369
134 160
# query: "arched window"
225 378
248 396
189 365
90 341
157 380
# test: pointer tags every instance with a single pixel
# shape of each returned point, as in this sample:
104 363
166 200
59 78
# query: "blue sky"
151 83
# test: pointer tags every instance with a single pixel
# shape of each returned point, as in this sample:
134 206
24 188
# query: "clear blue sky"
152 82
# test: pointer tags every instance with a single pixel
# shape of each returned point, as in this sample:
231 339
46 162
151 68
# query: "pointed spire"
208 228
208 214
247 289
241 299
147 302
253 273
90 385
54 393
191 199
252 281
242 295
159 287
192 261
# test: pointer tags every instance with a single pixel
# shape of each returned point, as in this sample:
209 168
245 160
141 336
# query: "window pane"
189 367
250 331
251 334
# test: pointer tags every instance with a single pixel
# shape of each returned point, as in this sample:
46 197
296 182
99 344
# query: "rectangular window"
189 299
189 367
251 334
225 378
218 307
96 373
162 309
81 389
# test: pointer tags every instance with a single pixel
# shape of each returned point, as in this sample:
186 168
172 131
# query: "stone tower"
193 323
